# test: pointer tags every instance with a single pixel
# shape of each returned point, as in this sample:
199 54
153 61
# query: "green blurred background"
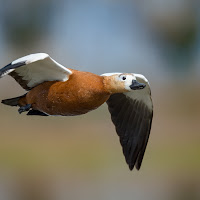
59 158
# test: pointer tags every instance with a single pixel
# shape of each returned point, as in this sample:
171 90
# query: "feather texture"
132 114
31 70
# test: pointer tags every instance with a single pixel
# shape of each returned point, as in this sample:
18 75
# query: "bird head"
122 82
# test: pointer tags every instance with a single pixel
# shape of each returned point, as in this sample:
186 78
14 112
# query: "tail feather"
12 101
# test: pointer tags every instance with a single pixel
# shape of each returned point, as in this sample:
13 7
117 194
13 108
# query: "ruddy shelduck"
56 90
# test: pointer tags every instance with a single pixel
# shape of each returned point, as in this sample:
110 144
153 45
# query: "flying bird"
53 89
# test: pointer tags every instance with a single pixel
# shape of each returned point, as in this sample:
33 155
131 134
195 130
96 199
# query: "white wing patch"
110 74
38 68
31 58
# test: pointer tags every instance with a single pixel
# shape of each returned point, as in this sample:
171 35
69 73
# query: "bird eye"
123 78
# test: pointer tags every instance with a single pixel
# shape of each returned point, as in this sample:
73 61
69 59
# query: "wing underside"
132 120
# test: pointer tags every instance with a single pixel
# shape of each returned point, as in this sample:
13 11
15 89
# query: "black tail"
12 101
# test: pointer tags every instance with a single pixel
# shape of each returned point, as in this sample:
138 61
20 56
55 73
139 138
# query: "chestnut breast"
83 92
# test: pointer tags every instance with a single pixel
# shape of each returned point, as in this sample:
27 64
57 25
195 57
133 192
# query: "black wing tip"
135 162
131 167
138 166
4 70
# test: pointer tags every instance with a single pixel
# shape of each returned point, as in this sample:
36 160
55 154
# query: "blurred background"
59 158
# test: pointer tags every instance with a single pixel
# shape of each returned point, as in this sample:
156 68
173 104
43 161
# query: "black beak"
136 85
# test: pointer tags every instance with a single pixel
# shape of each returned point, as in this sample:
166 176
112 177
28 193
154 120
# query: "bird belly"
67 105
58 99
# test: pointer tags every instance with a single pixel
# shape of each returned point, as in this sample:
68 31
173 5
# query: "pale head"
121 82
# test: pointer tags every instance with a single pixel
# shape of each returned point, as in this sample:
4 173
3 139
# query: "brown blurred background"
59 158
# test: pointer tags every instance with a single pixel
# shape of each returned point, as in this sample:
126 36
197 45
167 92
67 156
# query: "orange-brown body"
80 94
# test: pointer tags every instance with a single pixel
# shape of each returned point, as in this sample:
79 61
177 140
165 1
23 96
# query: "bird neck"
111 85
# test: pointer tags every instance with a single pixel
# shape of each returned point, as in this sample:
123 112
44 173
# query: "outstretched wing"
132 114
34 69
